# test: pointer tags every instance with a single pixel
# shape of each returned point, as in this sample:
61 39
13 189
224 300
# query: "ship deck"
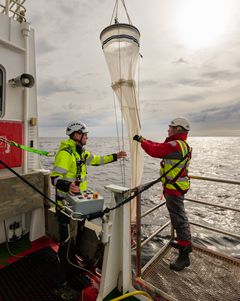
210 277
32 278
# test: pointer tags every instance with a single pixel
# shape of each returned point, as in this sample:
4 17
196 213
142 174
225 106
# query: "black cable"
136 191
28 183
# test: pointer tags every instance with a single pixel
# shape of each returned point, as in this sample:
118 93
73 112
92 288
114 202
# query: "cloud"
195 82
180 61
148 83
224 75
74 83
49 87
43 46
216 114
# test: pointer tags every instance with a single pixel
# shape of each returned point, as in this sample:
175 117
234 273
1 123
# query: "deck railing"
140 244
14 9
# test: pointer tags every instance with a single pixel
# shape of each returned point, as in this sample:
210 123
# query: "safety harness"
79 163
173 181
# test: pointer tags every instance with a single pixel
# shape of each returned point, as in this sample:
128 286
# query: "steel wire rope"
115 10
129 20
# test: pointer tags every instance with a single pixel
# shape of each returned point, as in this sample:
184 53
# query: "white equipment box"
85 202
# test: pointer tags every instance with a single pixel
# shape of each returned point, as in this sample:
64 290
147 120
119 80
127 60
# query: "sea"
212 157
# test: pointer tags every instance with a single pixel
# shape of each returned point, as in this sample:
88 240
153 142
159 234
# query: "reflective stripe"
88 161
59 169
55 180
101 160
173 162
66 167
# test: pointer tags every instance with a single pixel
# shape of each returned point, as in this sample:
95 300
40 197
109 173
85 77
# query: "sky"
190 65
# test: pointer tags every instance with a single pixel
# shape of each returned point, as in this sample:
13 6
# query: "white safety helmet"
76 126
180 121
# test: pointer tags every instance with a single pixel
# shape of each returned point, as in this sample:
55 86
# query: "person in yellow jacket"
69 175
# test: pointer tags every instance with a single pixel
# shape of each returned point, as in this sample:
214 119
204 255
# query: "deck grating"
210 277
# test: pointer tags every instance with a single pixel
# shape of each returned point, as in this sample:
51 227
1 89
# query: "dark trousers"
175 205
64 250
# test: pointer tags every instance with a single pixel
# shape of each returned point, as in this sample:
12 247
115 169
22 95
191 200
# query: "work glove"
138 138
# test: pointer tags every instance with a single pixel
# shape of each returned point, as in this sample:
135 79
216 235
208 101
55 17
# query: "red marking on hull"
11 155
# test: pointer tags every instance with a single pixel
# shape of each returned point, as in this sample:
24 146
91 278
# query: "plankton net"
120 43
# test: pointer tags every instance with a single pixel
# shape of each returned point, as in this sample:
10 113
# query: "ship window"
2 90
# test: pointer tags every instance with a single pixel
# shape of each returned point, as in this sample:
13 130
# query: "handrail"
153 209
212 205
155 233
215 230
139 217
214 180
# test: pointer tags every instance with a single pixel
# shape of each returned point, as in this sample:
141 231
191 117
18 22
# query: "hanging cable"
129 20
31 185
134 191
115 10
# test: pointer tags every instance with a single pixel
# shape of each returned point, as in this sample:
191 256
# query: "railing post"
138 237
7 7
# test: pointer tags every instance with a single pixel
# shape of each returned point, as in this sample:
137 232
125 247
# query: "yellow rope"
132 294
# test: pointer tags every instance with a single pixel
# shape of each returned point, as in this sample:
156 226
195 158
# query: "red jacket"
160 150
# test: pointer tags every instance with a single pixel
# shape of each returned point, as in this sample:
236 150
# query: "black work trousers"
178 216
63 250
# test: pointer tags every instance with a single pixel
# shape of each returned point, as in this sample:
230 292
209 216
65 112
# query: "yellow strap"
132 294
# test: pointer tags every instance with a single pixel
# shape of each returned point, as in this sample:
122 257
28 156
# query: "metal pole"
154 234
214 180
138 237
216 230
153 209
7 7
26 33
212 205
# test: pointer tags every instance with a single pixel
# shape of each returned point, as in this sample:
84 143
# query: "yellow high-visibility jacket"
70 165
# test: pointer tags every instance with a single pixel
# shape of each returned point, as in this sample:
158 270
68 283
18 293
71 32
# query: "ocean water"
216 157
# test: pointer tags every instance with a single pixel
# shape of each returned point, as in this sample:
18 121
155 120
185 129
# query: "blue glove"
137 138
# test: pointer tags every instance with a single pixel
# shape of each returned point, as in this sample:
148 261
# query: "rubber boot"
183 259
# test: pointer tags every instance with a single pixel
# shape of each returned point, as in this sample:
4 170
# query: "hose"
133 294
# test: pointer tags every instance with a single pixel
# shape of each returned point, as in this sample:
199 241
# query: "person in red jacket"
176 155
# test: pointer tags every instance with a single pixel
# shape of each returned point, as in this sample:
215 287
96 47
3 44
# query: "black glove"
137 138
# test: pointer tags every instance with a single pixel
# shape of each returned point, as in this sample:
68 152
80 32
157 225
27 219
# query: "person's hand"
138 138
73 188
121 154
